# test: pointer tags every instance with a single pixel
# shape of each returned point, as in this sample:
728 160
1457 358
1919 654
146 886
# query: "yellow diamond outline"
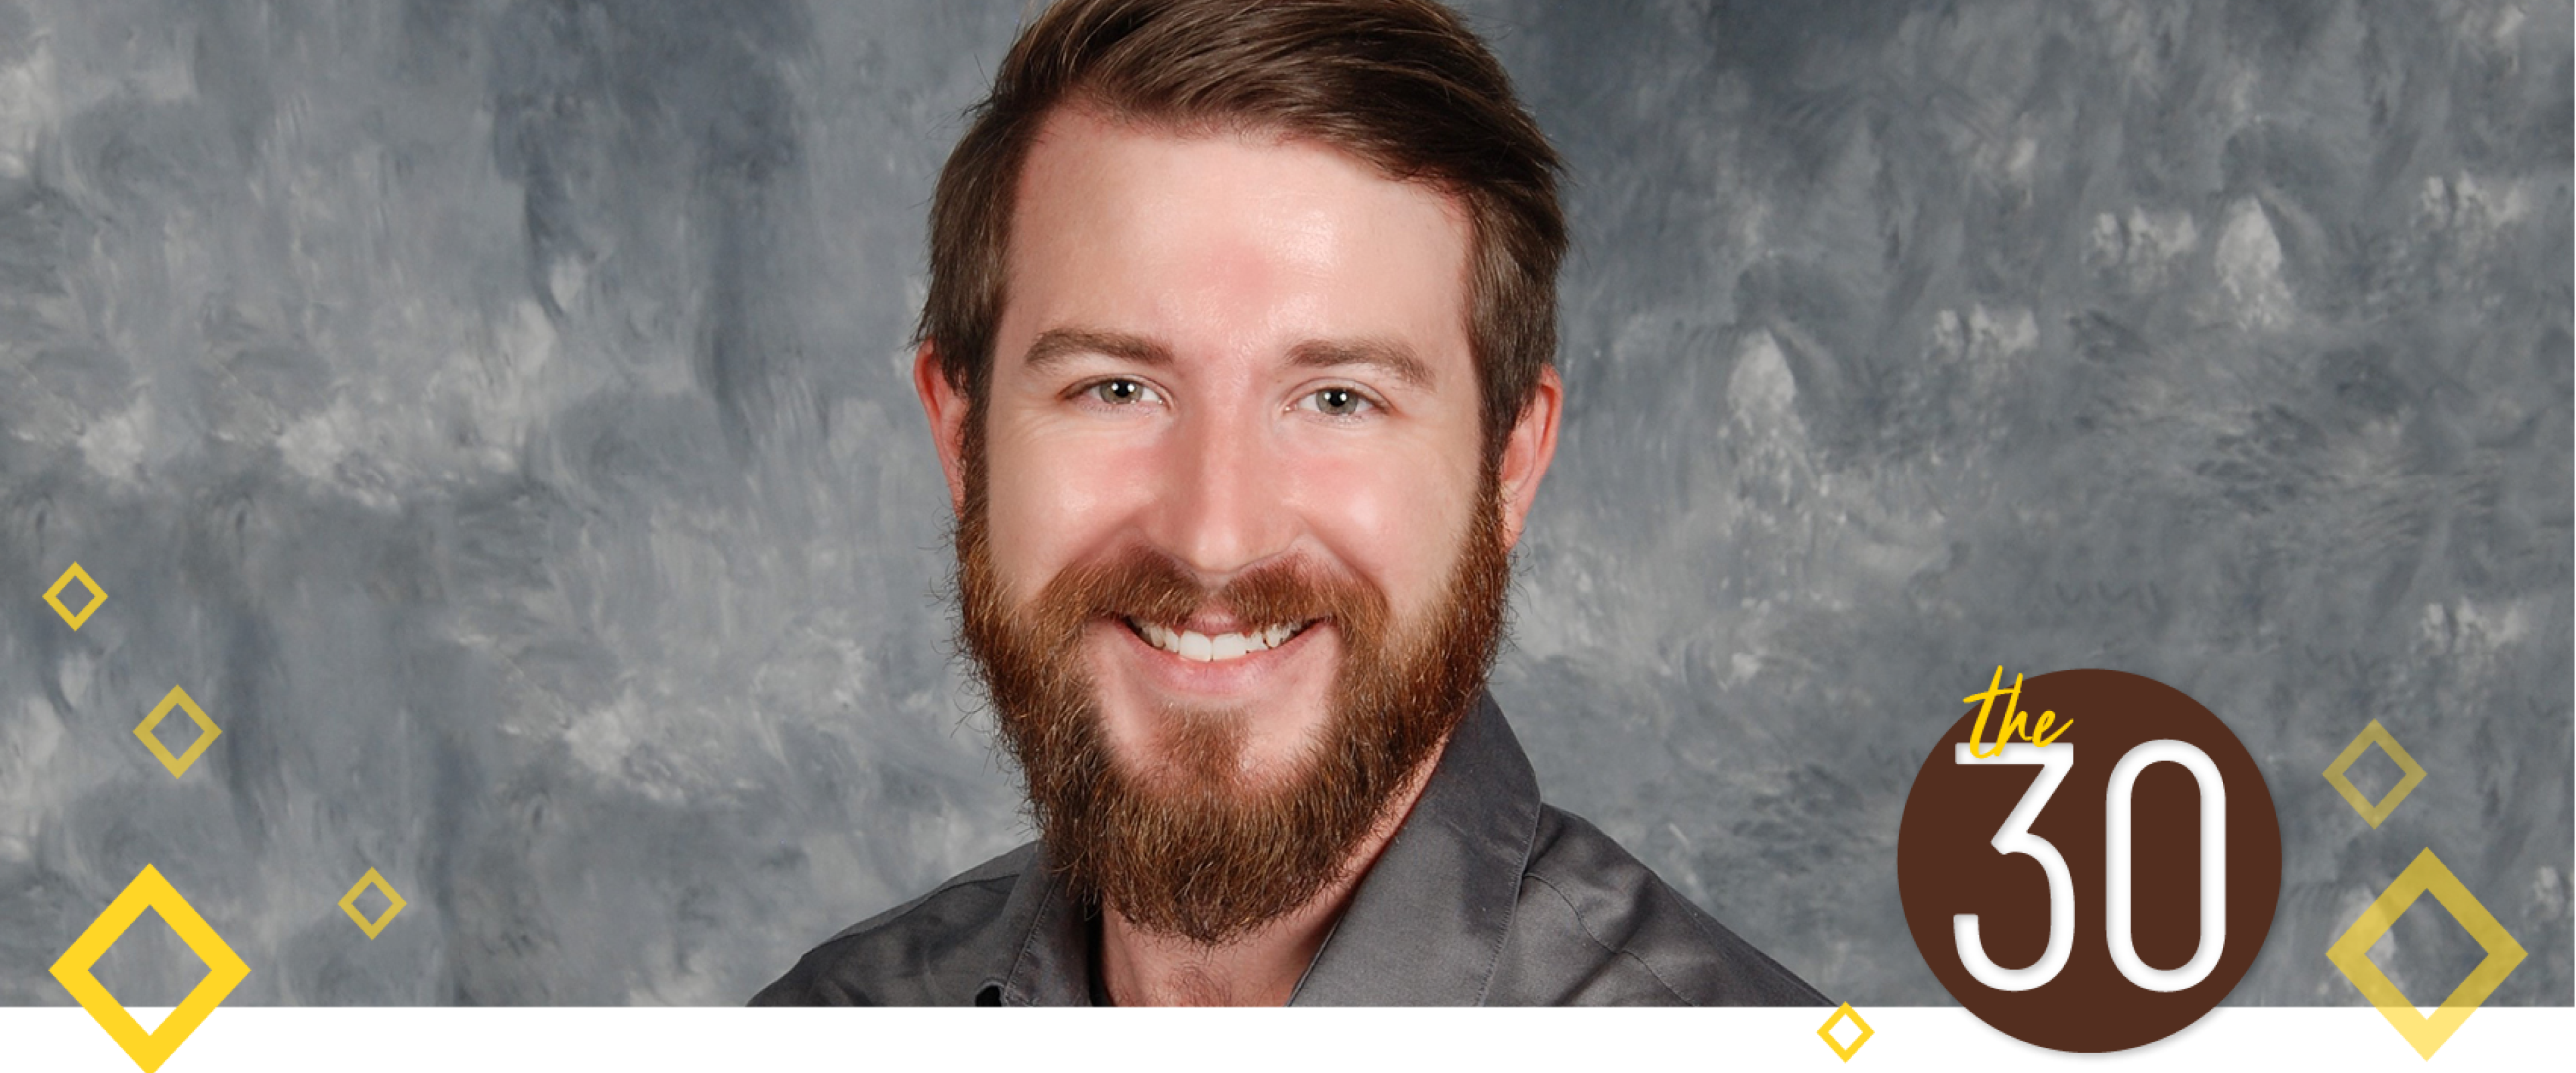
54 596
2374 734
1826 1031
207 731
224 969
349 904
2351 953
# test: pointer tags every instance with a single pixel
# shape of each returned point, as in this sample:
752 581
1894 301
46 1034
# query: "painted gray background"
496 414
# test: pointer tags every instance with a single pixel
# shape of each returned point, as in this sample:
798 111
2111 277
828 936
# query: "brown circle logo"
2089 860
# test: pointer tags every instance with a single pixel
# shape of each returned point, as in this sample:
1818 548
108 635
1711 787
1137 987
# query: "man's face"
1238 557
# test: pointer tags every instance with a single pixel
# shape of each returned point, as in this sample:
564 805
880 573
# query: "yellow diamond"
54 596
206 731
1827 1031
2351 953
2378 735
349 904
224 969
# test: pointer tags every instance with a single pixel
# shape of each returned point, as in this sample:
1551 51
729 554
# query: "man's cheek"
1037 526
1388 523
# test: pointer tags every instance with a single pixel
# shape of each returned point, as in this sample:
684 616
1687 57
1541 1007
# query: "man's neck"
1258 969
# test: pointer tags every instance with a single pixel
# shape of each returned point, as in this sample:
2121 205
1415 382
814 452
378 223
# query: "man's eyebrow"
1393 358
1057 344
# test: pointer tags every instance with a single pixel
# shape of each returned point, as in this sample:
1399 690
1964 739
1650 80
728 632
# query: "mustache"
1173 837
1147 585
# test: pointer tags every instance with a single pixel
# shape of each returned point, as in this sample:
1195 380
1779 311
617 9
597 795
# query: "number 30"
2014 836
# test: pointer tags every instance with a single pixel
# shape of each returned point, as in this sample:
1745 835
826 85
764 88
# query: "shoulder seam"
960 881
1615 951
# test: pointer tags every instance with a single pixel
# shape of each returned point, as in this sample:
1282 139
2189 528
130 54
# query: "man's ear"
1526 453
946 407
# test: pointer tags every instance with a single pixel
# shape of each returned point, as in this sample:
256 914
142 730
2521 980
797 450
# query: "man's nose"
1225 502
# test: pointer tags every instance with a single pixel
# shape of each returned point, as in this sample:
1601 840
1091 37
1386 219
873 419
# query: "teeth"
1224 646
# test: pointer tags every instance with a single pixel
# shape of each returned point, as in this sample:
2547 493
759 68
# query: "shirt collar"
1425 927
1052 966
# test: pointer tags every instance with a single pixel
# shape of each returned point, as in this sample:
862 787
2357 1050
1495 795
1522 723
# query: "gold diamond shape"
54 596
2378 735
349 904
224 969
2351 953
206 731
1827 1031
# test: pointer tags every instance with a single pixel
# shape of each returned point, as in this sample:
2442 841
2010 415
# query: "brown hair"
1401 84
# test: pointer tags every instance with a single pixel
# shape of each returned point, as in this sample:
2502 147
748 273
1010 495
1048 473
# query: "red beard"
1180 844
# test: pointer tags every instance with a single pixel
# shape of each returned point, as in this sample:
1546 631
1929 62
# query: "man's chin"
1284 759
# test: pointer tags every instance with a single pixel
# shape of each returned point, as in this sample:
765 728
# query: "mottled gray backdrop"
496 414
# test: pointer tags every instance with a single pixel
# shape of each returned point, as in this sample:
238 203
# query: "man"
1238 357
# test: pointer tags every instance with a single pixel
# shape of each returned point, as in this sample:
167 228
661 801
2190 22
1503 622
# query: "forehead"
1228 239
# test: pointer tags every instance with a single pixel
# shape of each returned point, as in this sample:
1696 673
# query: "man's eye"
1122 392
1339 402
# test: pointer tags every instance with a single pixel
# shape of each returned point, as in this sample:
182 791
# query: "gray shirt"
1484 897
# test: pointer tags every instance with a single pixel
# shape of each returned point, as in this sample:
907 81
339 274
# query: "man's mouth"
1203 648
